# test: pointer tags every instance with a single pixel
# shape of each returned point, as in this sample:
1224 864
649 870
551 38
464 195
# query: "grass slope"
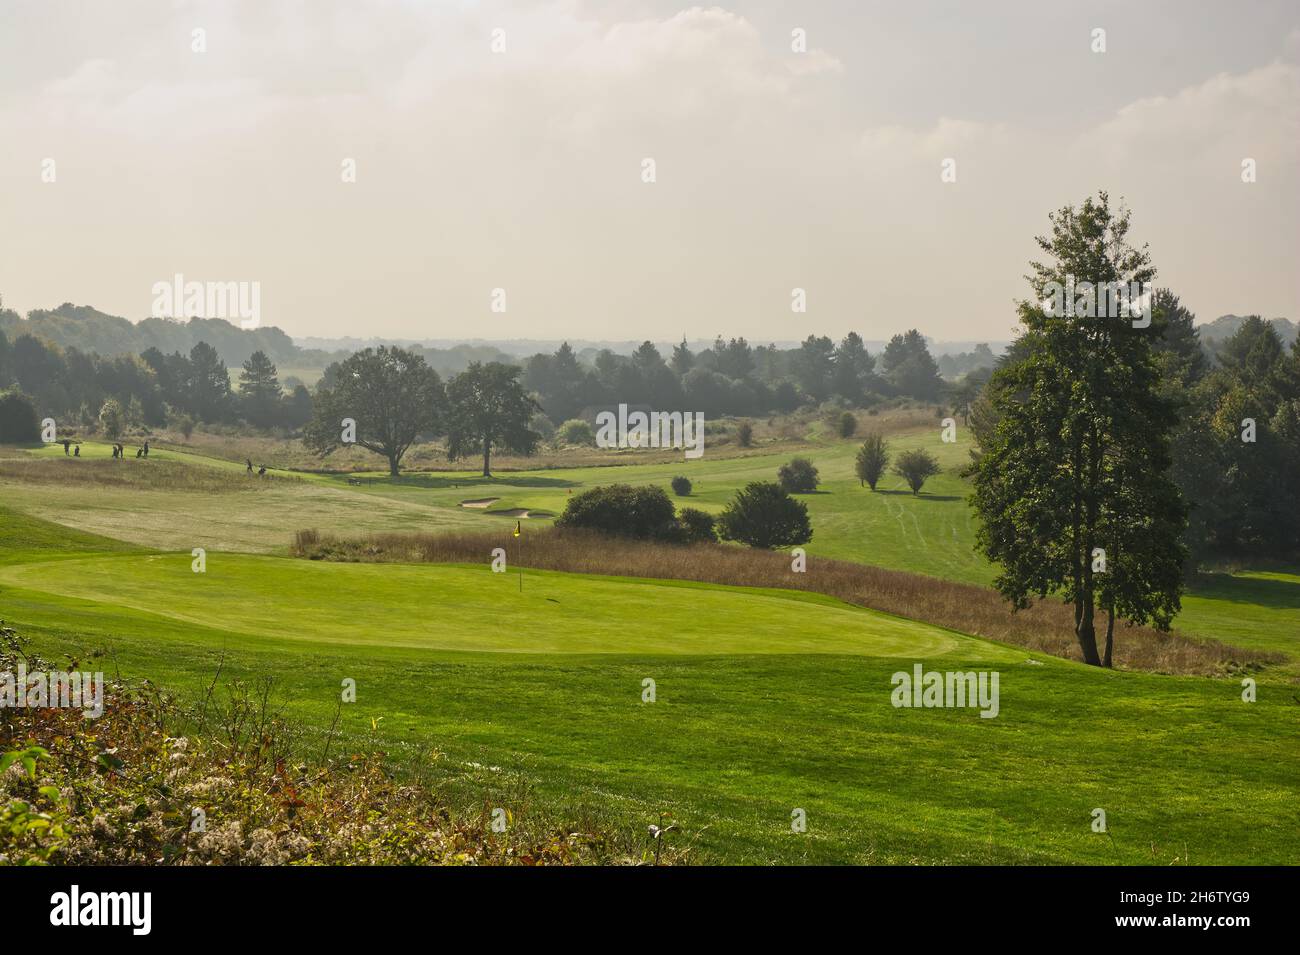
440 607
764 704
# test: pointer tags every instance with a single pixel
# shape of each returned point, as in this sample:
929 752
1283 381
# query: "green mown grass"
442 607
765 704
1252 609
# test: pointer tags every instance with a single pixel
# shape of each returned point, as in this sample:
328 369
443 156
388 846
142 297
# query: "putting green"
463 608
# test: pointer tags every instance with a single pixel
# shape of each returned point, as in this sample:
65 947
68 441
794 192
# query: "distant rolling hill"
90 330
1225 326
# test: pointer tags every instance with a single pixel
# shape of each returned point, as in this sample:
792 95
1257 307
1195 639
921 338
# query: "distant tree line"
1236 446
733 377
151 389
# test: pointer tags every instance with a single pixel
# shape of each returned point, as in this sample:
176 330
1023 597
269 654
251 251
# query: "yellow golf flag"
518 524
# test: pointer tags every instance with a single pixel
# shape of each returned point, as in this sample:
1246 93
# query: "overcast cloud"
522 169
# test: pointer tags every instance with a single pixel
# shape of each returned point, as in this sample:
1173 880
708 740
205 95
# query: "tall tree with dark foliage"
1072 483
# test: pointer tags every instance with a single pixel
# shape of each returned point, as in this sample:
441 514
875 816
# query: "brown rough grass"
1047 627
133 473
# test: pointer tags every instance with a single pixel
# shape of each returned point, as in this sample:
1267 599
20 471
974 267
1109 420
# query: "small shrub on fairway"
872 459
745 434
798 477
914 467
847 425
763 515
681 486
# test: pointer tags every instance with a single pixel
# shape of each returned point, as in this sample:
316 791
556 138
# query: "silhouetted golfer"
66 443
250 465
146 449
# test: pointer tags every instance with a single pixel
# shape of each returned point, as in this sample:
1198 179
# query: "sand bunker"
485 502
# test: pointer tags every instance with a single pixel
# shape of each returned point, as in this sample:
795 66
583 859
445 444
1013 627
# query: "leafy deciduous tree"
487 407
1072 483
391 394
916 467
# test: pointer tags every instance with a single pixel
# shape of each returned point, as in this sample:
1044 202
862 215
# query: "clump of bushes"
847 425
798 477
641 513
681 486
745 434
645 513
763 515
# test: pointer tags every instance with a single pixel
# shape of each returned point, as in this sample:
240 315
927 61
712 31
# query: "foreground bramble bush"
124 790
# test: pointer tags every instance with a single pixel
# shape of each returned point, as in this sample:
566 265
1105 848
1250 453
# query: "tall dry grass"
1047 627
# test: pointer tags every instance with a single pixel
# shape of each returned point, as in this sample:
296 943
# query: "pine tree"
872 459
259 390
682 359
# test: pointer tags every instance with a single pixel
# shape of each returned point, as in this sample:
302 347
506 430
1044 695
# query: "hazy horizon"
522 169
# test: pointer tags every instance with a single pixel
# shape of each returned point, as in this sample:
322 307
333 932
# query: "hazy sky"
522 169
